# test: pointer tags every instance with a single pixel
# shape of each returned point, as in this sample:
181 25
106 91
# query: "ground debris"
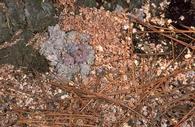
134 75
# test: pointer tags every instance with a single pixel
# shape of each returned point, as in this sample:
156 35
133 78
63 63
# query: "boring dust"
123 88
